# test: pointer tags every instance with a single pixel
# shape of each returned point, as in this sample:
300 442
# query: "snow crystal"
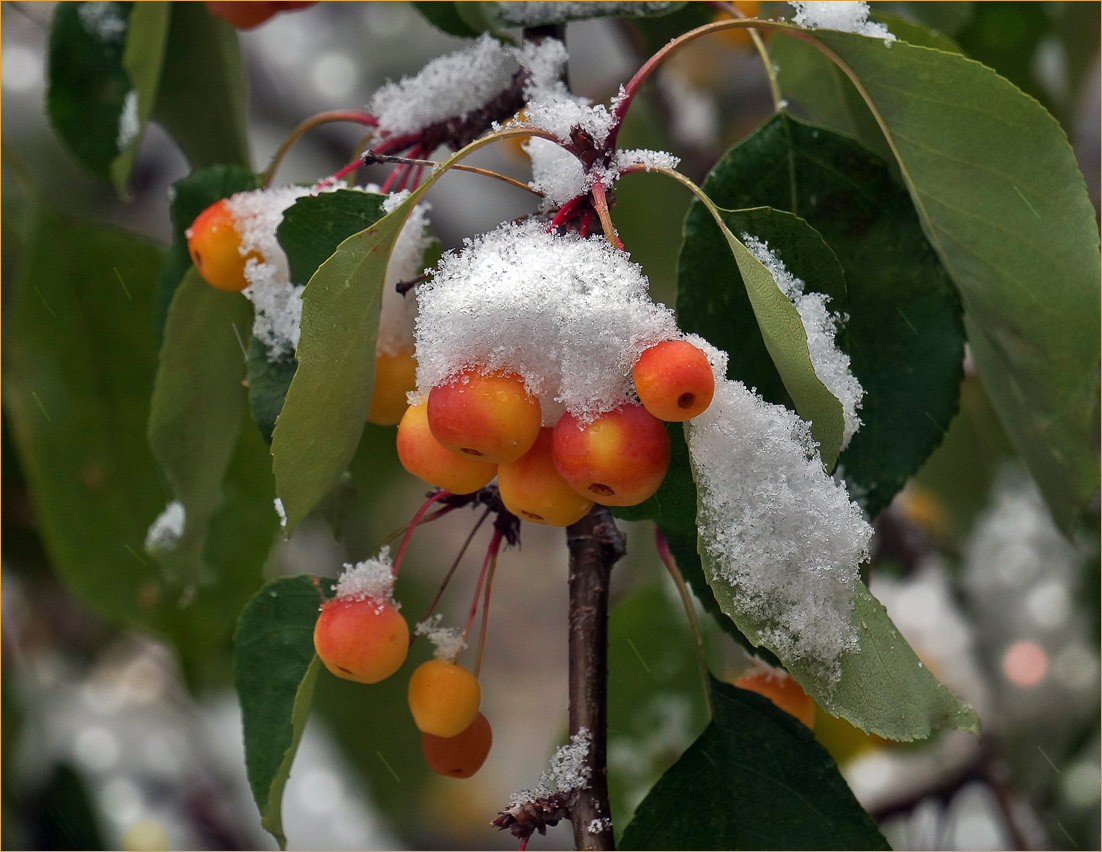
447 641
103 21
166 530
831 363
528 14
627 157
566 773
556 172
129 122
569 315
372 579
849 17
483 70
776 527
281 512
598 825
559 113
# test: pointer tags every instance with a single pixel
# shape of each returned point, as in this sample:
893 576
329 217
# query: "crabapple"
619 459
460 756
488 417
674 380
443 697
361 639
395 376
533 489
246 15
214 244
783 690
423 456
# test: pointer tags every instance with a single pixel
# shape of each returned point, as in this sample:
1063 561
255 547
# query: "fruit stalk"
595 546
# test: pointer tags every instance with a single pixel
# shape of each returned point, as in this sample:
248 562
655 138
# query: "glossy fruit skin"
619 459
487 417
423 456
674 380
246 14
460 756
361 639
215 248
395 376
443 697
783 690
531 488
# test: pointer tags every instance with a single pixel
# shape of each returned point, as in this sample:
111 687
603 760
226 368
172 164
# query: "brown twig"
595 546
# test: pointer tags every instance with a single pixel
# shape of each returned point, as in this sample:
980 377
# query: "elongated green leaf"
1002 201
196 409
904 331
78 372
755 779
785 340
274 671
201 101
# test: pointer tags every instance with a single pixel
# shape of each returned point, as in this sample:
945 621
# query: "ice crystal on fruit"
569 315
831 363
776 527
372 579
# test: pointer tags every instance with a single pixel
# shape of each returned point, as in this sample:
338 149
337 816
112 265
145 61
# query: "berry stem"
600 204
595 544
490 560
413 525
454 565
694 624
485 617
309 124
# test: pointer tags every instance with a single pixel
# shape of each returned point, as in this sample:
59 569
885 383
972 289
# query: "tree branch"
595 545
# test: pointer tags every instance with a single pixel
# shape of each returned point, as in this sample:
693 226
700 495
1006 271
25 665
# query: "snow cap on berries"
570 315
372 579
775 526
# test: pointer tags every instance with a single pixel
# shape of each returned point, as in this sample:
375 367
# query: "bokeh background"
104 744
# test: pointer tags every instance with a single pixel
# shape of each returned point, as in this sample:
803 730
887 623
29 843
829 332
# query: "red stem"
455 564
413 525
491 556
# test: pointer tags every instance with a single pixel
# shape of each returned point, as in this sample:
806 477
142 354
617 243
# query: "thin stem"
345 170
485 617
595 545
491 558
455 565
694 624
600 204
309 124
759 45
413 525
371 158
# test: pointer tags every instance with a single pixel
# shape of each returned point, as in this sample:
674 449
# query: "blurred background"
106 744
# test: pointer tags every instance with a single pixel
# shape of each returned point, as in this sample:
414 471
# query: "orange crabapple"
444 698
423 456
460 756
531 487
619 459
490 417
214 244
361 638
674 380
783 690
246 15
395 376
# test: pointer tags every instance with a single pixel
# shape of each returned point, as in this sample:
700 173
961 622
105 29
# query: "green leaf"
190 197
196 410
87 83
268 381
78 371
1001 199
755 779
785 340
142 59
201 102
904 333
274 671
447 18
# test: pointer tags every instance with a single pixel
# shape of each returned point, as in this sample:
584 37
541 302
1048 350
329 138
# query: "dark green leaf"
196 409
190 197
755 779
1001 199
904 331
274 671
446 17
78 371
268 382
202 96
88 85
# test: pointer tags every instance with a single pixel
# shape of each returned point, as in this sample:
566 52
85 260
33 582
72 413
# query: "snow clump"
776 527
166 530
372 579
566 774
531 14
569 315
843 15
447 642
831 363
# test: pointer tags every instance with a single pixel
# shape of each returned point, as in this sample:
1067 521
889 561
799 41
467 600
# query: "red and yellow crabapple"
460 756
783 690
395 376
490 417
423 456
361 638
531 487
674 380
443 697
214 244
618 459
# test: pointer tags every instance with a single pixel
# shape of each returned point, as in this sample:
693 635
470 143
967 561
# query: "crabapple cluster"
478 425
